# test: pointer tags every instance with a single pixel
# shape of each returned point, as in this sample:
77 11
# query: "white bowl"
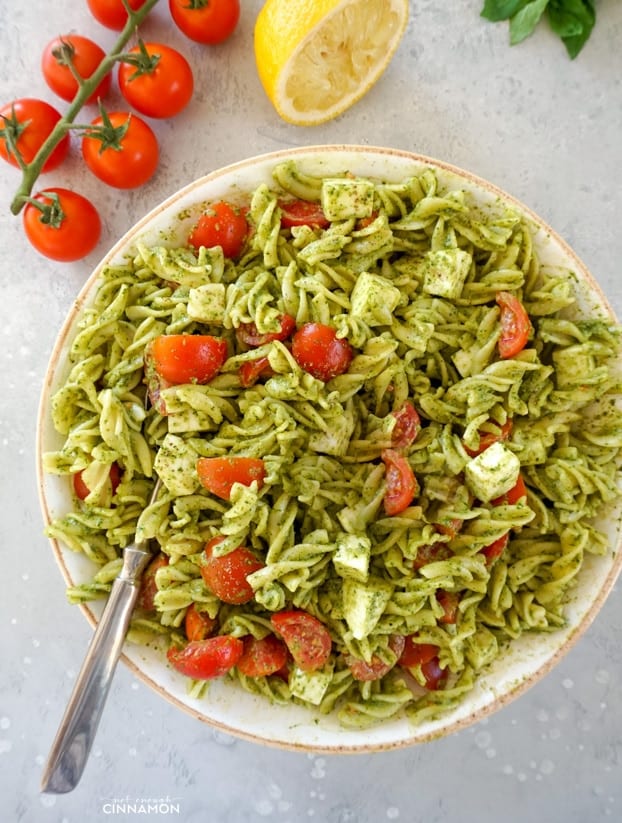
228 707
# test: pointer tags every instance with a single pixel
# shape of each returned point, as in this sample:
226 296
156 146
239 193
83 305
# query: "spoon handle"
77 729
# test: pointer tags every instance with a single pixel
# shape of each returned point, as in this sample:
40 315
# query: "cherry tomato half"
511 497
515 325
25 125
263 657
82 490
252 370
317 349
415 653
226 576
128 163
430 553
224 225
148 585
206 21
198 625
302 213
248 335
407 426
218 474
85 56
67 228
161 84
401 483
449 602
376 668
307 639
112 13
496 548
206 659
187 358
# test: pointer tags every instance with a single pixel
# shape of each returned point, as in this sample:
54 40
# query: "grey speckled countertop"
545 129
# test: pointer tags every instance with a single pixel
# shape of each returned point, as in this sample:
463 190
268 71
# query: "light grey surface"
547 130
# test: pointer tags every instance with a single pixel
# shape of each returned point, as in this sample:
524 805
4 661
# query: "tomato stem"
32 170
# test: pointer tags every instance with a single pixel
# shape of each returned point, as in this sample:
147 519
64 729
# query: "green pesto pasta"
416 278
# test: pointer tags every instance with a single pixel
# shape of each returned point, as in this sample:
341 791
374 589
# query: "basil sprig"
571 20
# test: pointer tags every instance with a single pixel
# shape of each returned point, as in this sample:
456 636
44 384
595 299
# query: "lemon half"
315 58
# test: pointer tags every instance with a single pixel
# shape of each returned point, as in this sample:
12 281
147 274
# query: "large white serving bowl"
228 707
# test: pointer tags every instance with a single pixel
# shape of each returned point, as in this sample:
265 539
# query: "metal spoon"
77 729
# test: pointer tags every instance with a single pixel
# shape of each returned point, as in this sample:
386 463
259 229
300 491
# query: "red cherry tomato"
449 602
224 225
496 548
112 13
512 496
376 668
84 55
82 490
307 639
187 358
206 659
302 213
25 125
317 349
252 370
515 325
261 658
407 426
68 227
486 439
148 585
225 576
133 162
401 483
198 625
248 335
430 553
162 83
206 21
435 675
415 653
218 474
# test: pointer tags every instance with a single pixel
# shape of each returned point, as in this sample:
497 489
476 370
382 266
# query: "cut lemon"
315 58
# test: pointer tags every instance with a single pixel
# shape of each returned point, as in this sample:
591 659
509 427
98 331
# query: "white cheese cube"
364 604
351 560
345 197
206 303
175 464
310 686
492 473
374 299
445 271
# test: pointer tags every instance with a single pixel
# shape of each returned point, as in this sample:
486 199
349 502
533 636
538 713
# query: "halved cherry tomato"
252 370
206 659
407 426
160 83
307 639
206 21
515 325
302 213
82 490
62 224
198 625
25 125
112 13
81 53
496 548
376 668
449 602
148 586
430 553
263 657
401 483
248 335
415 653
486 439
225 576
317 349
513 495
187 358
224 225
129 161
218 474
435 675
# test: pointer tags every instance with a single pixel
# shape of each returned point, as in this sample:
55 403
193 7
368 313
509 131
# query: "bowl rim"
67 328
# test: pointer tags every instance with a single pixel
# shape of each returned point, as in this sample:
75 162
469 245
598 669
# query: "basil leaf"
524 21
573 21
496 10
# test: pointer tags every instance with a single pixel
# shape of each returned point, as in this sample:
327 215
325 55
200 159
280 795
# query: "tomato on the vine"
112 13
121 150
157 81
221 224
61 224
25 125
206 21
80 52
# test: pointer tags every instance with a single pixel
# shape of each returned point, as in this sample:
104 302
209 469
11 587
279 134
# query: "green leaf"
496 10
573 21
524 21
